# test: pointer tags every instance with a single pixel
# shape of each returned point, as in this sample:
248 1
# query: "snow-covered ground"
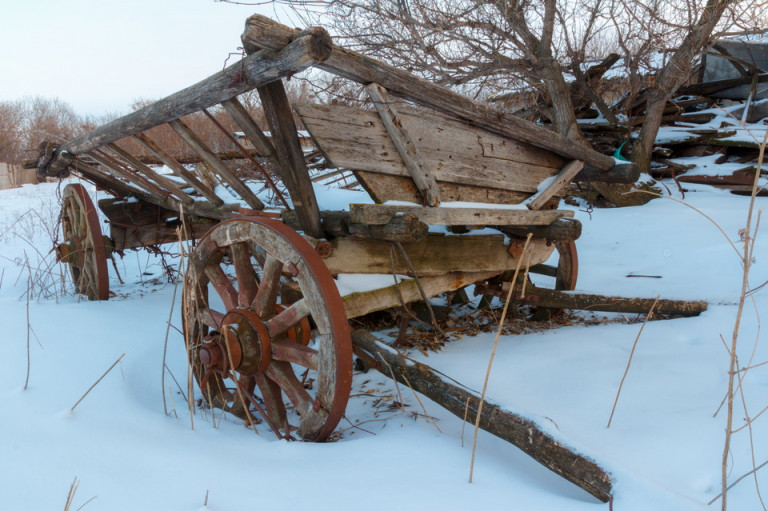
663 448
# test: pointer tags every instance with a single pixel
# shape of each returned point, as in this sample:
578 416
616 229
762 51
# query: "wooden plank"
251 72
209 157
430 256
364 302
162 181
382 187
455 152
566 175
381 214
406 148
178 169
262 32
295 174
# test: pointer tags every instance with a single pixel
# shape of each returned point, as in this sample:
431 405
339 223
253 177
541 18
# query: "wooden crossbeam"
381 214
261 68
409 152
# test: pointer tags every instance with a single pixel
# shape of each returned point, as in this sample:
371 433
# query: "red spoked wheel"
84 248
265 325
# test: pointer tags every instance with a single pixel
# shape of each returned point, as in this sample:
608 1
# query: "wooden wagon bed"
259 296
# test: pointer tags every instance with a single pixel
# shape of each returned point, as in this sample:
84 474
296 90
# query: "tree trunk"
671 77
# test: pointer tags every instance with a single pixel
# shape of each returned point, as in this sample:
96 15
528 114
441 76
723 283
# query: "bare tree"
536 54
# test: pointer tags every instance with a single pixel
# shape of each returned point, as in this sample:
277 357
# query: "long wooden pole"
523 433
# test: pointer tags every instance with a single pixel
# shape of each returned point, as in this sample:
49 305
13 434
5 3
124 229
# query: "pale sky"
100 55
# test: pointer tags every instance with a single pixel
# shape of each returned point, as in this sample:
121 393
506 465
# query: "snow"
663 448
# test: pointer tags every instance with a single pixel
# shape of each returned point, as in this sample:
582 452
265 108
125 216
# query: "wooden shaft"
251 72
524 433
263 33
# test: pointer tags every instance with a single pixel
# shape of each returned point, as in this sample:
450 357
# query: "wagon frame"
275 306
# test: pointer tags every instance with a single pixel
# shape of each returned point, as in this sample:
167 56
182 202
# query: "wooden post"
289 153
524 433
422 177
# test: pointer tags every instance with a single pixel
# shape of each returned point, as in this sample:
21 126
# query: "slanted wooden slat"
209 157
295 174
456 153
537 200
178 169
406 148
252 132
108 181
378 214
162 181
129 175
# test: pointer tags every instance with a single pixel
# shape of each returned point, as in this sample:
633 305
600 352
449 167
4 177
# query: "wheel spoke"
282 374
289 351
288 318
247 284
266 296
273 401
222 285
210 318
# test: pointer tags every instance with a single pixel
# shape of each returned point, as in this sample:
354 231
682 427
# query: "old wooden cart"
261 307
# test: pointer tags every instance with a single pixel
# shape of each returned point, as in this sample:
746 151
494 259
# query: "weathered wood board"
459 155
433 255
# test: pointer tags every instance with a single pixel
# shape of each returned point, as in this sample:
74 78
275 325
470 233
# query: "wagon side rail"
264 33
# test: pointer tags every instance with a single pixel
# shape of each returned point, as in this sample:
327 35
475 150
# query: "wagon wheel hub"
246 344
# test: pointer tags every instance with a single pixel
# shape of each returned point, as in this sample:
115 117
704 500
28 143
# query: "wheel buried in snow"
266 328
83 247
